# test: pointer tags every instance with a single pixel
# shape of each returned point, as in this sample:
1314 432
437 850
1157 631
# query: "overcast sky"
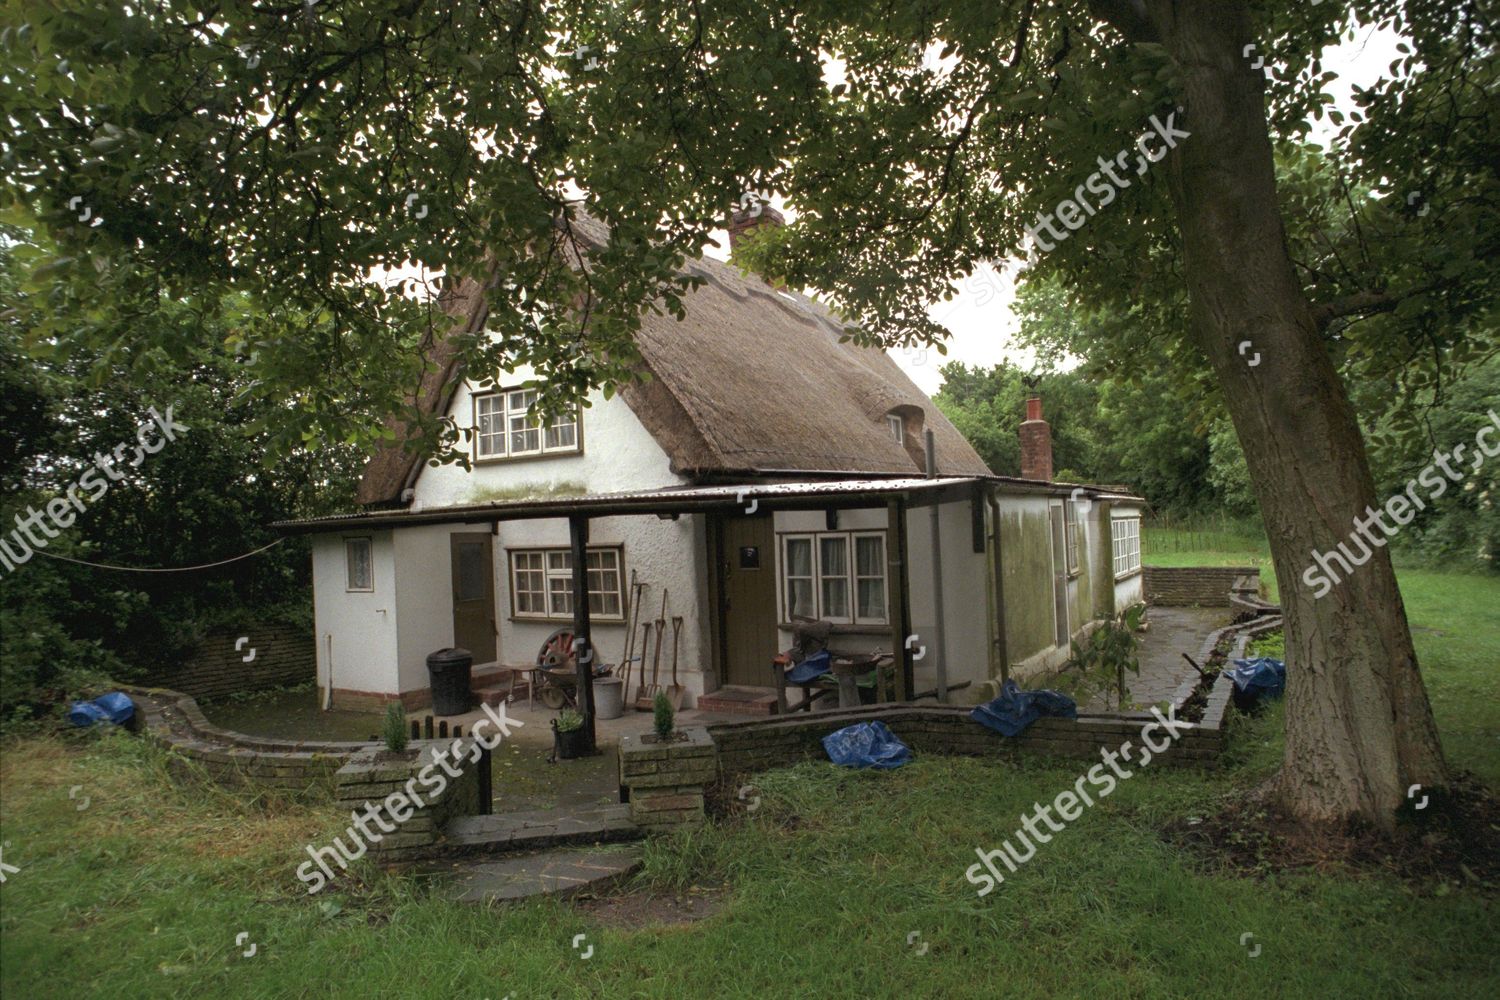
979 318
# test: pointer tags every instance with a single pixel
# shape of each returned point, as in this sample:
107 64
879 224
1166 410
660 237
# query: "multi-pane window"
1127 541
1070 534
505 428
359 565
541 582
897 424
839 576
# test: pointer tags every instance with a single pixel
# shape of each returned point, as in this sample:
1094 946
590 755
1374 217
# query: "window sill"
564 620
1126 576
511 459
843 629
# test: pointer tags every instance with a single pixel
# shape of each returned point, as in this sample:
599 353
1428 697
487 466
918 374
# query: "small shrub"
393 728
664 719
1109 651
568 721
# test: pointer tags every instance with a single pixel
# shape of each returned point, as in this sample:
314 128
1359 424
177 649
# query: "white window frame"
850 575
513 416
556 567
349 546
897 423
1070 535
1125 533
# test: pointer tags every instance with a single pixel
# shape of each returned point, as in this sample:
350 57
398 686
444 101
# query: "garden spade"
644 702
676 691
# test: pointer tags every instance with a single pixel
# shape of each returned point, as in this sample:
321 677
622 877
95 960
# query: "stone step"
558 873
510 833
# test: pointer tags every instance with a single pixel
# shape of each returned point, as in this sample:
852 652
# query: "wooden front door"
474 593
748 556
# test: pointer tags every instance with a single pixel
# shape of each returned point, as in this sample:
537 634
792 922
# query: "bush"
664 719
393 729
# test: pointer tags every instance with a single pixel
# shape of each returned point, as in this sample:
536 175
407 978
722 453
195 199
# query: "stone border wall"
283 655
236 759
1196 586
367 780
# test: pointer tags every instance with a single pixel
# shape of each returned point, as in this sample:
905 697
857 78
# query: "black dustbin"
448 674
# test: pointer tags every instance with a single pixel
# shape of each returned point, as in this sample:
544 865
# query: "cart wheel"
557 651
553 696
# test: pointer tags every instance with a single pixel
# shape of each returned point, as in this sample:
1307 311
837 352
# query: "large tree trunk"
1359 726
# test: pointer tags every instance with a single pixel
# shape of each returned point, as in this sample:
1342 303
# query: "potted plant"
569 740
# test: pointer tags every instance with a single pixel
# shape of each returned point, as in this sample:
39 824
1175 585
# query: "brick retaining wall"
283 655
1196 586
235 759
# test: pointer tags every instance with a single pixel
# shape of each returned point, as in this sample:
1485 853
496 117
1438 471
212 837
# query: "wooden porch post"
583 648
900 587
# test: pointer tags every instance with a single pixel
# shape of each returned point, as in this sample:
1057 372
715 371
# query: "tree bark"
1359 729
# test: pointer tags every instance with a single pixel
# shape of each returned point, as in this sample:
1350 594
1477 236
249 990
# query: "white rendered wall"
424 597
618 454
362 625
665 554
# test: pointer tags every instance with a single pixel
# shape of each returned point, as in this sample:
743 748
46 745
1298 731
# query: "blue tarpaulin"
866 744
114 707
1259 678
810 669
1015 709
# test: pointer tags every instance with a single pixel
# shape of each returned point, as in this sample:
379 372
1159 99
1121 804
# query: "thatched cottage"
718 485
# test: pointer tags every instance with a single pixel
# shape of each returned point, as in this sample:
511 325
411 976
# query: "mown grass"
143 893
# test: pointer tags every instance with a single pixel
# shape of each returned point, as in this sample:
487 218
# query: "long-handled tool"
644 702
676 692
632 609
640 685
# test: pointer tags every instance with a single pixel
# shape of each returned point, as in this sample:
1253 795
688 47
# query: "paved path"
1173 631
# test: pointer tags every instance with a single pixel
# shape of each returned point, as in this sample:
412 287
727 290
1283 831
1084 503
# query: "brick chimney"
745 220
1036 443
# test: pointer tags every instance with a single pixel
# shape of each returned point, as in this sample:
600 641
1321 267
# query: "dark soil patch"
1454 841
635 910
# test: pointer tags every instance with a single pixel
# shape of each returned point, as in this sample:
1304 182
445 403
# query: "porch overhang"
673 501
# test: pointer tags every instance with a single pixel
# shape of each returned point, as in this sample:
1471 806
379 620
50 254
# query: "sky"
980 319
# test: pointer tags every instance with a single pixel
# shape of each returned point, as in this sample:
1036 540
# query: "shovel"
640 687
643 703
676 691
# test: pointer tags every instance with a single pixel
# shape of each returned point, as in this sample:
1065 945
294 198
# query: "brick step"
494 694
733 700
510 833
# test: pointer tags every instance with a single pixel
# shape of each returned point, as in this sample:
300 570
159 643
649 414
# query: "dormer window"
897 424
504 428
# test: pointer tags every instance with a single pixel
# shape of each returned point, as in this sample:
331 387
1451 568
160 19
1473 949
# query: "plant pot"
571 743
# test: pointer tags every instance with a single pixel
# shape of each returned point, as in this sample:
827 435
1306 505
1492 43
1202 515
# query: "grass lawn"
840 885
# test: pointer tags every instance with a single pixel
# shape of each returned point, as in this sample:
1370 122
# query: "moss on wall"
1026 568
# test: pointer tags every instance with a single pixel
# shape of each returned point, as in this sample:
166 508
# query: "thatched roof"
753 380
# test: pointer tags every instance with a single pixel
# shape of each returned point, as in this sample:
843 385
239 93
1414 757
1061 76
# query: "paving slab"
557 873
